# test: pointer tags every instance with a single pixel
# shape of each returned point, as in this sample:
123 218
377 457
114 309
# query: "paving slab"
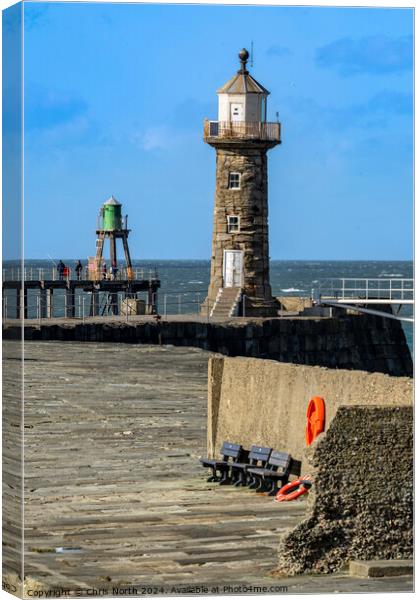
380 568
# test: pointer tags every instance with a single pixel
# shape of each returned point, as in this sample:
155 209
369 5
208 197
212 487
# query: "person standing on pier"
78 268
60 269
104 270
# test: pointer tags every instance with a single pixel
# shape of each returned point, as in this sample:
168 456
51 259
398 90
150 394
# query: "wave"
292 290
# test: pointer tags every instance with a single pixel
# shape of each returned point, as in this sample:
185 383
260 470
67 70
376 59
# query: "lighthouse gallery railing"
242 130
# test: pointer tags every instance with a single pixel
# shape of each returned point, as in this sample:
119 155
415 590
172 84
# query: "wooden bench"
278 468
258 457
231 451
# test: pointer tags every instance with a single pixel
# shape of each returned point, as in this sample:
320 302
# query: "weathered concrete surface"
112 437
264 402
361 342
113 434
361 503
380 568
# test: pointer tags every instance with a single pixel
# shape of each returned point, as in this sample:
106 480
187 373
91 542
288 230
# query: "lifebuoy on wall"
315 419
294 489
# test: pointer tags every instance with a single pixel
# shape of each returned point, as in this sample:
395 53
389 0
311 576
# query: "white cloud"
161 137
154 138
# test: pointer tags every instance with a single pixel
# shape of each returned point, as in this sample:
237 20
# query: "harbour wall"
264 402
363 342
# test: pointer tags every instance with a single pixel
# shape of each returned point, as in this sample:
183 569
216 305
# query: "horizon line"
208 259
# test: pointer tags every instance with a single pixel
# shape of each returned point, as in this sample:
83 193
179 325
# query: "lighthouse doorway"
233 268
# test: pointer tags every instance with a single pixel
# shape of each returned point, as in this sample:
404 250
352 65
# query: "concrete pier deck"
113 433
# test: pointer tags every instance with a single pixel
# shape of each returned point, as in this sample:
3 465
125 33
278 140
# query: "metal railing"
242 130
52 274
38 308
373 290
83 305
60 305
176 303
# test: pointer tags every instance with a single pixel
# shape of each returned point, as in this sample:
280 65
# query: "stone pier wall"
264 402
361 342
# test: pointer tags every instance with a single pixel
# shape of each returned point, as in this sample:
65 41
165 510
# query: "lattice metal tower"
112 226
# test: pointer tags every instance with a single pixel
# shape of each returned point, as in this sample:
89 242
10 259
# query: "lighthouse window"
234 181
233 223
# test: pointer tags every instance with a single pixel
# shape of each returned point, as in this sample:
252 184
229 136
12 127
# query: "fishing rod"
52 260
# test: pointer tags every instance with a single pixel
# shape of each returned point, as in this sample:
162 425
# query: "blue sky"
115 97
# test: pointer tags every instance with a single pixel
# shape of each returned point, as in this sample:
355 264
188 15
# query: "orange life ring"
294 489
315 419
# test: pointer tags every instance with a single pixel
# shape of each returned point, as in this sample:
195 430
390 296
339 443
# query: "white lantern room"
242 98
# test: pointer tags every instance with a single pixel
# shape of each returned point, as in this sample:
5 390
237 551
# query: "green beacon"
111 215
112 226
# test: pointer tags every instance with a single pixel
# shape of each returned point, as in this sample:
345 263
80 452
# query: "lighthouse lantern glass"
112 217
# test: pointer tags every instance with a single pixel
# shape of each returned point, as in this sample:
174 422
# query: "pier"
129 496
110 288
371 296
103 293
106 517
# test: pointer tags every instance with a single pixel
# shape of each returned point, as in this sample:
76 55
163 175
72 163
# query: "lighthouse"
111 225
239 276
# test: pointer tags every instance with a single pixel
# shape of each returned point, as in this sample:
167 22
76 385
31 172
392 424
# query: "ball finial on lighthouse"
243 57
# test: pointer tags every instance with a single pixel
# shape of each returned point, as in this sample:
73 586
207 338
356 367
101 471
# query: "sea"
184 282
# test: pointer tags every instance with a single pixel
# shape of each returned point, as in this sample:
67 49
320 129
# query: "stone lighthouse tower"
240 259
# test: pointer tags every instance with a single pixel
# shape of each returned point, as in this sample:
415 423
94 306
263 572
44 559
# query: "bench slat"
280 459
259 453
